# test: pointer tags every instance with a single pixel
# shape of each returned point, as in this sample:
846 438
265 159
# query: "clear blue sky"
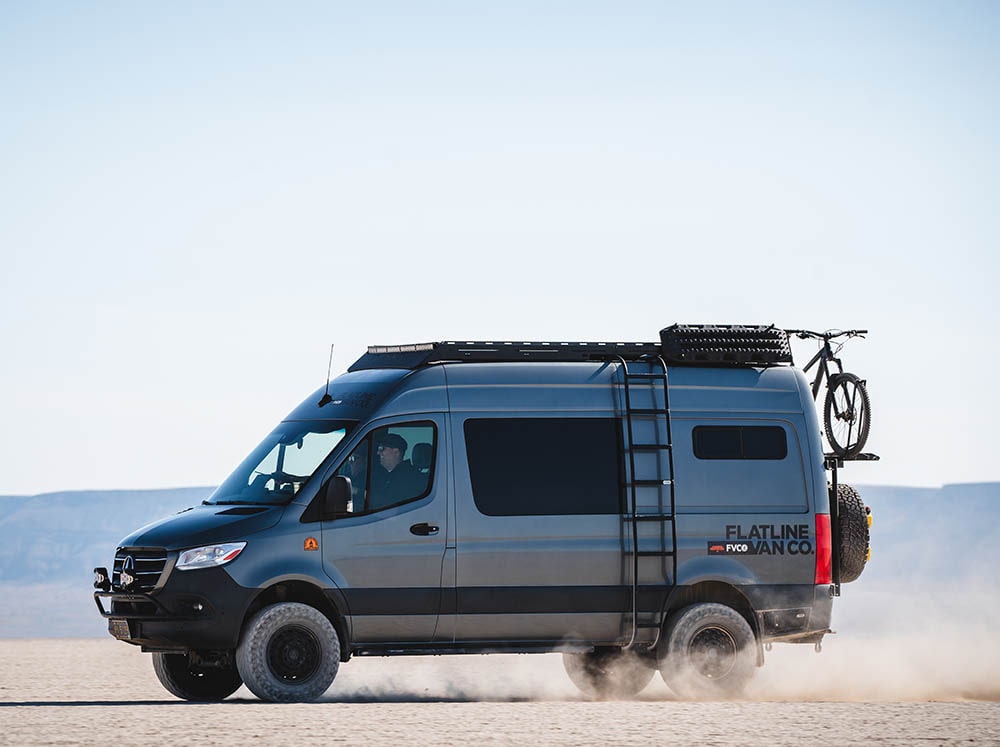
196 199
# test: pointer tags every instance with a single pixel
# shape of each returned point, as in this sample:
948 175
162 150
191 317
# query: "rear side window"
543 466
739 442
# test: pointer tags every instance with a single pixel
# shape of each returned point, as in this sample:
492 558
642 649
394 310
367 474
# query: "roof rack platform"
692 345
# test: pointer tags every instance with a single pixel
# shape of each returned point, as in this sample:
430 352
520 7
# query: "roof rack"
693 345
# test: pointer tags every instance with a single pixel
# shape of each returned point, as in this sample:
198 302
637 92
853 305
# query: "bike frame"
824 355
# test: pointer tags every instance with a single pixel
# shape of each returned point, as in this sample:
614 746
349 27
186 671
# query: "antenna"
326 398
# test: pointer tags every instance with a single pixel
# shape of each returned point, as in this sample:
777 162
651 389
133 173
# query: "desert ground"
94 691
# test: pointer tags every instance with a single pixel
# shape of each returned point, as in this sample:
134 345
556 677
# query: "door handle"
424 529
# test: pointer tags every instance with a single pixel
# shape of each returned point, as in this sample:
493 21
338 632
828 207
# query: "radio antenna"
326 398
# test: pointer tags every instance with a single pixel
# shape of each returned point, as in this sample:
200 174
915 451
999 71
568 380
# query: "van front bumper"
194 610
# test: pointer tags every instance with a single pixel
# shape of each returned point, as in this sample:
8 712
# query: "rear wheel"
188 681
289 653
609 673
708 651
847 414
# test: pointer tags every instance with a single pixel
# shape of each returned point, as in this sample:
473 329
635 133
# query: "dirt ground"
93 691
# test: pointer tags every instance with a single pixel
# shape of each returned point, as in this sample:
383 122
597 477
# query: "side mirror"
330 502
336 495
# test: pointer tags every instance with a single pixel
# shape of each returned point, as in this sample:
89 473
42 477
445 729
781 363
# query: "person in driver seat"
400 481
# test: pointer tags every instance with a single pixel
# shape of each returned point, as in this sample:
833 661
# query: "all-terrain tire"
707 651
854 537
609 673
188 682
847 414
289 653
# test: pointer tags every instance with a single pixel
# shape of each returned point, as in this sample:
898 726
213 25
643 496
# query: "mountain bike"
847 409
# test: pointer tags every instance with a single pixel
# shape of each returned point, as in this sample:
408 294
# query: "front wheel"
608 673
847 414
707 652
290 652
187 681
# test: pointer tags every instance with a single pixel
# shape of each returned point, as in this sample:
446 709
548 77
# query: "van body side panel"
743 520
534 577
750 522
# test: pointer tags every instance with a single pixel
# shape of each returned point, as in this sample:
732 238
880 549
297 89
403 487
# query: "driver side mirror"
330 502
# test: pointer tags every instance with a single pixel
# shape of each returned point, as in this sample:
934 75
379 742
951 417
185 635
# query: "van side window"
739 442
391 465
543 466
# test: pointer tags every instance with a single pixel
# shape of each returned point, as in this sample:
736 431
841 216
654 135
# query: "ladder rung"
651 553
658 375
647 483
650 517
648 411
649 447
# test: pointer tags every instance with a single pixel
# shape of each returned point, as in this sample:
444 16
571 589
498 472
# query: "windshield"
283 462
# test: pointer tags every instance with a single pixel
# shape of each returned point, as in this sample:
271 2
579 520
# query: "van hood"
204 525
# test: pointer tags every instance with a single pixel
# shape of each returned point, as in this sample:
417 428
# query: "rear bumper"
194 610
793 613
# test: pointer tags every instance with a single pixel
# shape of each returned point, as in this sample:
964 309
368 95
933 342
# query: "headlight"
209 556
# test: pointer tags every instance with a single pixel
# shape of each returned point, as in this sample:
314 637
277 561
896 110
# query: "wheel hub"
713 652
293 654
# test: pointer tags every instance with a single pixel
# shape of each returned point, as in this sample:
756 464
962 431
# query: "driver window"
390 466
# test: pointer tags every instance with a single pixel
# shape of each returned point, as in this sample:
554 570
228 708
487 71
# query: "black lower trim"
473 647
420 601
498 600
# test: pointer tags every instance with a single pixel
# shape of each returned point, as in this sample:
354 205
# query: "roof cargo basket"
735 344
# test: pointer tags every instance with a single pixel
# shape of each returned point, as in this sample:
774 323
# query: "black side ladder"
650 539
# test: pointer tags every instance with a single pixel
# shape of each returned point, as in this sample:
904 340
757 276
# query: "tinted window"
392 465
740 442
543 466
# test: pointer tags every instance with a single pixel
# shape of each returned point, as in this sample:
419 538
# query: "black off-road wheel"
289 653
190 682
707 652
847 414
854 535
609 673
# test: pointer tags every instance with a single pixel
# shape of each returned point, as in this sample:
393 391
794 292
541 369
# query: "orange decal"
310 544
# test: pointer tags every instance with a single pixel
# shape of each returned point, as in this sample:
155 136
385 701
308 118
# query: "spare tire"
853 520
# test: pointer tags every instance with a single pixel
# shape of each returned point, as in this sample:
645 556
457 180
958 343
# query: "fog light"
101 579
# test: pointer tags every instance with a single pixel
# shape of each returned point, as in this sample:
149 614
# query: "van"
635 506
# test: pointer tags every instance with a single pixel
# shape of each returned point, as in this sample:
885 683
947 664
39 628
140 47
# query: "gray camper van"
636 506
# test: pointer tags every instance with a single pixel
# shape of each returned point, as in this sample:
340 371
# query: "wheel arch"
302 592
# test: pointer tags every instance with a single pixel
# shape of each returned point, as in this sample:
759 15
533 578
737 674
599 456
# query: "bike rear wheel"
847 414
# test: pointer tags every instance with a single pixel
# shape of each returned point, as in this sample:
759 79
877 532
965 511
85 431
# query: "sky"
198 199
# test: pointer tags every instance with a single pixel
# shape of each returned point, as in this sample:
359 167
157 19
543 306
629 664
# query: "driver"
400 480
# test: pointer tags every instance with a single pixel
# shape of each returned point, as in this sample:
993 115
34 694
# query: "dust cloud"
918 646
86 691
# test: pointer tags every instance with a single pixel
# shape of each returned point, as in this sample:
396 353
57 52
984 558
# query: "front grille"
147 565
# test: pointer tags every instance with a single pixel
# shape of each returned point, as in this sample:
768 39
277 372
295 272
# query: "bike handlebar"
828 335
